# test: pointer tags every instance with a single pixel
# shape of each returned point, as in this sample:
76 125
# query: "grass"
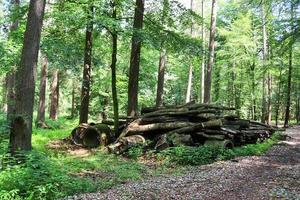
49 174
52 174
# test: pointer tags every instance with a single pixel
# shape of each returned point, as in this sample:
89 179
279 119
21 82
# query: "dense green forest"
67 62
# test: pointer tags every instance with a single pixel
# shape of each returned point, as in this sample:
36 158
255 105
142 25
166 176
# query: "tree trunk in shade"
86 79
133 83
73 101
265 58
21 130
211 52
203 55
161 78
10 96
190 77
289 81
40 121
113 71
54 98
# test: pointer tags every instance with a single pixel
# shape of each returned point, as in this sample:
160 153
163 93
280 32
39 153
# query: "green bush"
185 155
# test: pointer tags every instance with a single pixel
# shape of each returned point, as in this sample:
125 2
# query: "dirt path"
276 175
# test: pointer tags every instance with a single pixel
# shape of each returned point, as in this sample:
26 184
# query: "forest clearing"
149 99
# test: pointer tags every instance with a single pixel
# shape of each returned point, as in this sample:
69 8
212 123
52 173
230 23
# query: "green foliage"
201 155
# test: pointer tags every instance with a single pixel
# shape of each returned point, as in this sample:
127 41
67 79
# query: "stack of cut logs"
189 124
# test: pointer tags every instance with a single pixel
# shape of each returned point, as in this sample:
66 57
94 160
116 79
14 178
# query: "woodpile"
189 124
192 124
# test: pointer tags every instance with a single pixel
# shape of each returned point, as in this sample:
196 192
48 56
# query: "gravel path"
276 175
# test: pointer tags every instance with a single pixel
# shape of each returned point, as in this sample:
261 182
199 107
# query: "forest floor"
274 175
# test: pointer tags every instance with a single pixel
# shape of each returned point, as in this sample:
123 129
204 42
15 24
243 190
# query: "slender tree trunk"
161 77
203 54
278 98
10 96
113 72
269 111
54 98
40 121
264 113
162 62
11 76
190 77
21 131
86 79
133 83
189 87
288 95
211 52
288 98
73 101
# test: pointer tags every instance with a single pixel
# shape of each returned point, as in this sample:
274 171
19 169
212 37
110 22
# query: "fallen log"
125 143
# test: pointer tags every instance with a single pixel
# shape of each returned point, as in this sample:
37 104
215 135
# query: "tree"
40 121
201 96
113 69
162 61
211 52
54 96
21 131
86 79
133 83
190 77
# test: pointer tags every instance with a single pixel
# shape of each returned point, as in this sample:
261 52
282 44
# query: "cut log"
125 143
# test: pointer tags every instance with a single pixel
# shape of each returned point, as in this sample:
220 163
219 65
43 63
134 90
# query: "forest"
98 94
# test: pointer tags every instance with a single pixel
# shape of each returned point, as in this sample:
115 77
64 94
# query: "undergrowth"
187 155
51 174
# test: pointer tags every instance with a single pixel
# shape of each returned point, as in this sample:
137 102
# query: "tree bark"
21 131
86 79
203 55
10 95
288 95
113 71
54 97
211 52
133 83
190 77
264 113
278 98
161 77
42 98
73 101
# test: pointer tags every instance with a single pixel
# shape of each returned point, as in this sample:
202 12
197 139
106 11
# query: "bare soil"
275 175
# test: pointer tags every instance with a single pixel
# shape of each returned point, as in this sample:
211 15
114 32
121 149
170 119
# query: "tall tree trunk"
11 76
278 98
54 98
288 95
161 77
133 83
269 110
73 101
10 95
189 86
265 58
203 54
40 121
162 61
113 72
21 131
190 77
86 79
211 52
288 98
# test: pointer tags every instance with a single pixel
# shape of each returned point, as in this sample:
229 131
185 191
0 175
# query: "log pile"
192 124
189 124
